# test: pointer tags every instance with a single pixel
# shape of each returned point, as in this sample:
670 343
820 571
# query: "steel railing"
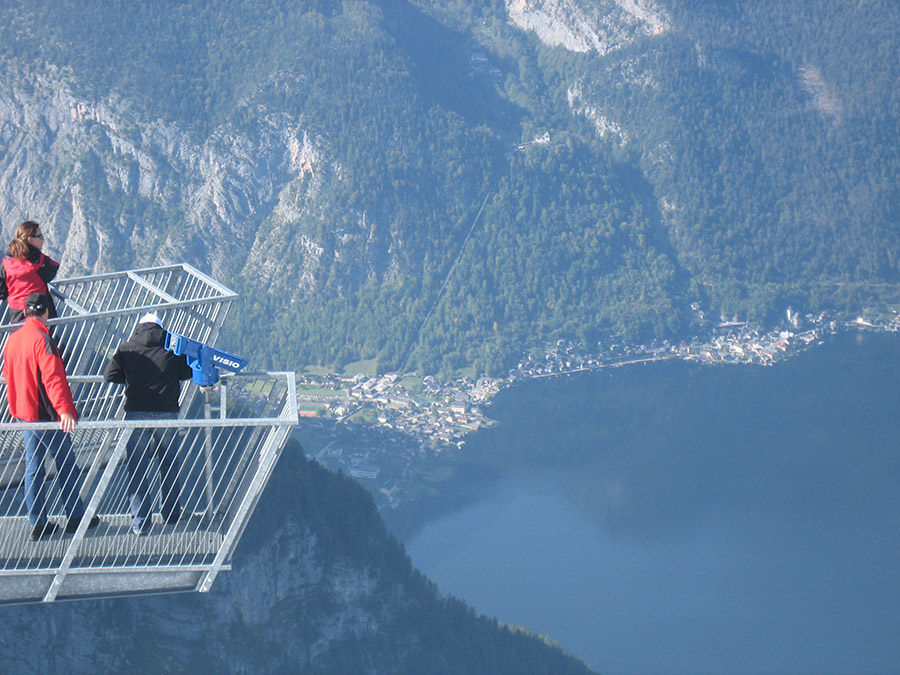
224 443
97 313
224 448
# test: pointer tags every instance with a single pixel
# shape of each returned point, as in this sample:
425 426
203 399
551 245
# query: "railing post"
207 461
267 459
89 512
88 482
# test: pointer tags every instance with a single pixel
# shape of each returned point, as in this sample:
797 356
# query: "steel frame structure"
225 442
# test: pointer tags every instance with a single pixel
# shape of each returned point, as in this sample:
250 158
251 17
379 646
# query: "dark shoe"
73 524
41 531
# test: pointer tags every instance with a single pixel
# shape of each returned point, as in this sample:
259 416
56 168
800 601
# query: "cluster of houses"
441 408
395 431
406 430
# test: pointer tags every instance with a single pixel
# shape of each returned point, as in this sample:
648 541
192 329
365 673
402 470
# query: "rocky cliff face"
114 190
582 26
598 27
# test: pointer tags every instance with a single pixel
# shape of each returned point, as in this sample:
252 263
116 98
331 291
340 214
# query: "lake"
672 517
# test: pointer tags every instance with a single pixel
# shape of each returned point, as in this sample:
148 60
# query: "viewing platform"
227 439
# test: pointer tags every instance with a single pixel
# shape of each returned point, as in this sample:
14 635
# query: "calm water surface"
677 518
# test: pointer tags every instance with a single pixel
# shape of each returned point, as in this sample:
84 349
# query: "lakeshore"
685 518
401 436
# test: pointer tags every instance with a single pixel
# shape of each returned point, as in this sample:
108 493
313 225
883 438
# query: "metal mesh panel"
97 313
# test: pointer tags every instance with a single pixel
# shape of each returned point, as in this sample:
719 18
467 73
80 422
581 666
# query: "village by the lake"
397 433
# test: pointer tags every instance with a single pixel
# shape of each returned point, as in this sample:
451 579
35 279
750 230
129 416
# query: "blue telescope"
204 360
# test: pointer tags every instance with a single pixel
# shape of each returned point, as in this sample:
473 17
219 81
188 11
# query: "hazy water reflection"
673 518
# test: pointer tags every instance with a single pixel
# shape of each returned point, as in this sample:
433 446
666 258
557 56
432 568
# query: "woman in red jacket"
25 270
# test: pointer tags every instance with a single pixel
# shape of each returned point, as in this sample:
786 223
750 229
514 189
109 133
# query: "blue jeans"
143 446
59 444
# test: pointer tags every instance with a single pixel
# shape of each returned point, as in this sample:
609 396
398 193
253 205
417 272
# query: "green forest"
483 192
449 636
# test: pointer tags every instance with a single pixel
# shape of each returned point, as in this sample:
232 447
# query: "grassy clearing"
368 367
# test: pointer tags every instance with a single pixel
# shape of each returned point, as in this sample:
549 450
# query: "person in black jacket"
152 377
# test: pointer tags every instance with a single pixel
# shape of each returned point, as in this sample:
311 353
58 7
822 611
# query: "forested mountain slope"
317 586
513 172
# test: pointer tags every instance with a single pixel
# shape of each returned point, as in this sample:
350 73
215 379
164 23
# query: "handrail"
216 457
220 466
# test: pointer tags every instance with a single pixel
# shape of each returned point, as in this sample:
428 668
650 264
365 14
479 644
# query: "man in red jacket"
37 391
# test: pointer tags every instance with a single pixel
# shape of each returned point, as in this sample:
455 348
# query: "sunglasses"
37 236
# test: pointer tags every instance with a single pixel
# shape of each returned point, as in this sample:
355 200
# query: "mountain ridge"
330 161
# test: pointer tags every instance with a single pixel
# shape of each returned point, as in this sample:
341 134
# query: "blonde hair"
19 247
